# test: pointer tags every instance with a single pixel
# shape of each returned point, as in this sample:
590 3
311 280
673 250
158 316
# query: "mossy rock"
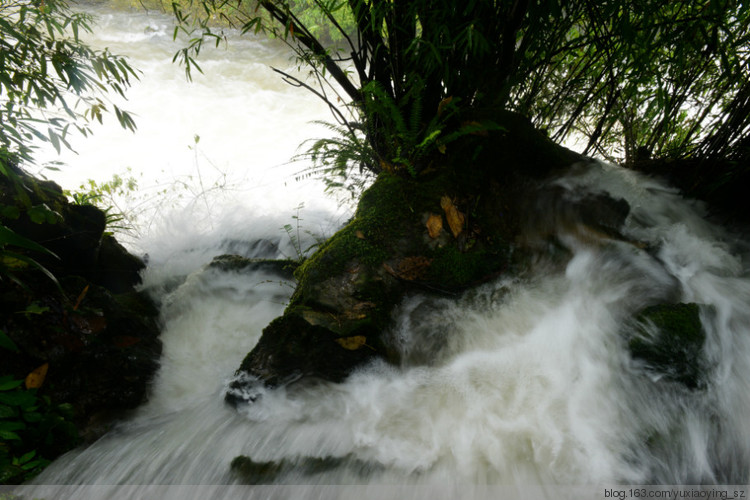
669 341
450 228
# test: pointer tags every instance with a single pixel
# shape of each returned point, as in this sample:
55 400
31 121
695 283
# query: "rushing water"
520 382
248 123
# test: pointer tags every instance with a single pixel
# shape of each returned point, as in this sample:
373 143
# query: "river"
530 390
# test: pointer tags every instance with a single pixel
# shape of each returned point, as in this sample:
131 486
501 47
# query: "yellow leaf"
386 166
35 379
80 297
360 235
455 218
443 104
14 263
434 225
352 343
413 268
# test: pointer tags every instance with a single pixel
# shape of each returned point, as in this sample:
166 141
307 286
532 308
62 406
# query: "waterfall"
523 381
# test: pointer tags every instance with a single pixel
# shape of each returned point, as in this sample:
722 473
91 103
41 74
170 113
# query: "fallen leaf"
80 298
445 102
386 166
360 235
475 128
413 268
359 310
35 379
434 225
352 343
455 218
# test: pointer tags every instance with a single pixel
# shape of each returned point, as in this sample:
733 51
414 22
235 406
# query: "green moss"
382 220
452 268
670 340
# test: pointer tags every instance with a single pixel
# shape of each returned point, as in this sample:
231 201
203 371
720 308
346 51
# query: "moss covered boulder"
452 227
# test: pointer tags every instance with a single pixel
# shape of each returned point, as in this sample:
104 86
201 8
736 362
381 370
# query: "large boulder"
452 227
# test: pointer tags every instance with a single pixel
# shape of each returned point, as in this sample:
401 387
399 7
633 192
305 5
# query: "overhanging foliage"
669 78
50 80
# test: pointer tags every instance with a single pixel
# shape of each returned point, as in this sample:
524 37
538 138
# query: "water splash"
526 380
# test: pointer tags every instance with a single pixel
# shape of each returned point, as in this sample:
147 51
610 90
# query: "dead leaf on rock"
360 235
434 225
80 297
413 268
455 218
475 128
352 343
35 379
359 310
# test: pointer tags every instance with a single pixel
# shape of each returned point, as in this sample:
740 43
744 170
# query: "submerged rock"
284 268
249 471
669 341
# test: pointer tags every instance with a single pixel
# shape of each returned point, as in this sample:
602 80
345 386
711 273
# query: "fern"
404 141
344 162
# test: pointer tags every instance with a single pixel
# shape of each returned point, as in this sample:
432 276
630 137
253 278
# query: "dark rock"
292 347
255 249
452 227
119 270
553 211
284 268
73 233
249 471
669 341
721 182
98 336
102 349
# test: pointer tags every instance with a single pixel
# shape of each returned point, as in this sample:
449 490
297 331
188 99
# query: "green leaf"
34 263
9 436
7 412
11 426
10 384
54 139
35 308
26 457
7 343
10 212
10 237
32 417
21 399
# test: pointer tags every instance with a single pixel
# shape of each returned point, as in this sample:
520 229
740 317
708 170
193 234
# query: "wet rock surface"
668 341
443 232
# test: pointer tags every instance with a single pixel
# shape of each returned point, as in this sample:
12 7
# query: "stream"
523 387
